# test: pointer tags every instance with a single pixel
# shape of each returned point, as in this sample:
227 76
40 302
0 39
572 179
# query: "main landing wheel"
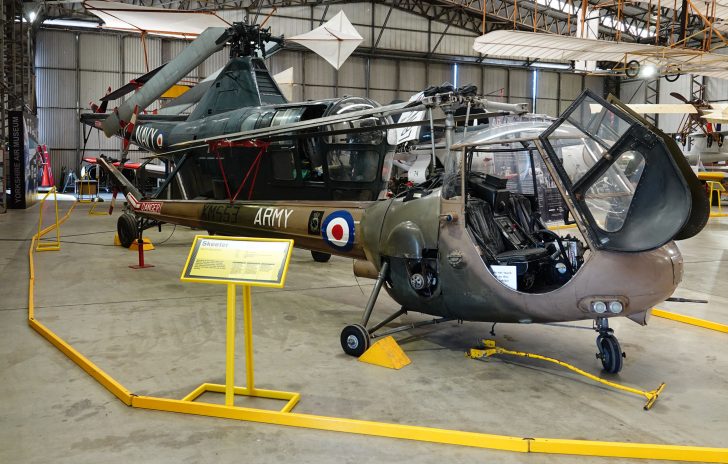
610 353
354 340
320 257
126 227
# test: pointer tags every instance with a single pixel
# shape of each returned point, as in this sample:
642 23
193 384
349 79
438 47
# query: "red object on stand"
141 265
47 179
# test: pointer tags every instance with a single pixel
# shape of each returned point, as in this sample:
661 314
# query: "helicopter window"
284 166
577 155
352 165
610 197
595 119
374 137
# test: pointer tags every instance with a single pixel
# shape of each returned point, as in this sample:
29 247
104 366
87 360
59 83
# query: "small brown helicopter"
468 244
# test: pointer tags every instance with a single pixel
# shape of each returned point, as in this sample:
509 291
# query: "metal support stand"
229 389
140 248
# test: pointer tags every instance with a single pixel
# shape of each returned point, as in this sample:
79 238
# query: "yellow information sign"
238 260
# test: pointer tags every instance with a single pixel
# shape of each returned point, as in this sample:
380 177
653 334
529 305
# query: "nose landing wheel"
610 353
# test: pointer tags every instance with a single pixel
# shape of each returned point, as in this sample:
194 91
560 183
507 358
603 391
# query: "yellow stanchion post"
230 347
45 245
248 320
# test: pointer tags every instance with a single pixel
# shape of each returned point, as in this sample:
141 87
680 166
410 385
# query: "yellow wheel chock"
489 349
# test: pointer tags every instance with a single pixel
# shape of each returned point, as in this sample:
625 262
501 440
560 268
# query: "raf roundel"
338 230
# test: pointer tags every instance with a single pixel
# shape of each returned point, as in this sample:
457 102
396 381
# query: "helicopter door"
622 177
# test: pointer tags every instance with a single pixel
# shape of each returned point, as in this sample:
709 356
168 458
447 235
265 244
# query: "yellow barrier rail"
381 429
490 349
45 245
690 320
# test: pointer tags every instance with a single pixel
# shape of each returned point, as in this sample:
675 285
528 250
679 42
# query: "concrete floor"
159 336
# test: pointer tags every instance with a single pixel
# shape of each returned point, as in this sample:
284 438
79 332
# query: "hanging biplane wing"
535 46
134 18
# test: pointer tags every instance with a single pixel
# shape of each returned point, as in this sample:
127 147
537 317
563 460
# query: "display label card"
238 260
507 275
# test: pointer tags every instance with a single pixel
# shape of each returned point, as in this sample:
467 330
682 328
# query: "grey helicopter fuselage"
245 97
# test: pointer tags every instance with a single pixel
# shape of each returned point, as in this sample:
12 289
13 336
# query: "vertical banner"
22 163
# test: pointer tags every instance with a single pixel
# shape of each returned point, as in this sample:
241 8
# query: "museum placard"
238 260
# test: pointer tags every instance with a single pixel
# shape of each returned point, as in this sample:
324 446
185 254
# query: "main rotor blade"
301 125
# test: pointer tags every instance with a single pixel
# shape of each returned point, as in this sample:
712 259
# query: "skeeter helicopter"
468 245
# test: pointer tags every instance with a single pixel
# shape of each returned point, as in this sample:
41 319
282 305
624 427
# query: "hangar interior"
138 335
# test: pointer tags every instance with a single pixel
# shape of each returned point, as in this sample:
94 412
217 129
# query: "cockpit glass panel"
600 122
352 165
610 197
577 153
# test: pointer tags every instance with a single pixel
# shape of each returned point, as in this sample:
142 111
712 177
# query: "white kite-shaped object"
334 40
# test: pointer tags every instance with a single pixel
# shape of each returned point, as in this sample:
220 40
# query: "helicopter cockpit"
594 164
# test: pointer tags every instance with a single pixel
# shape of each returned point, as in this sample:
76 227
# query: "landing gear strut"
356 338
610 353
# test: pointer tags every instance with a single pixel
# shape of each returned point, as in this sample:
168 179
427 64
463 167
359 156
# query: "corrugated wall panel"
564 104
595 84
99 141
409 41
352 91
547 106
56 49
383 74
172 48
571 86
548 85
411 77
61 159
632 91
383 97
57 128
289 27
457 43
286 59
520 84
134 59
232 16
56 88
312 92
318 71
214 62
100 52
670 123
439 73
353 73
495 82
93 86
469 74
400 19
716 90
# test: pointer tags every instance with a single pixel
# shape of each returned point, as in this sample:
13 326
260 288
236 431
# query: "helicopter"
242 95
468 244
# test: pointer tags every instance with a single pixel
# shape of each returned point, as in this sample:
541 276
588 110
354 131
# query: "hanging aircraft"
618 58
701 118
467 245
